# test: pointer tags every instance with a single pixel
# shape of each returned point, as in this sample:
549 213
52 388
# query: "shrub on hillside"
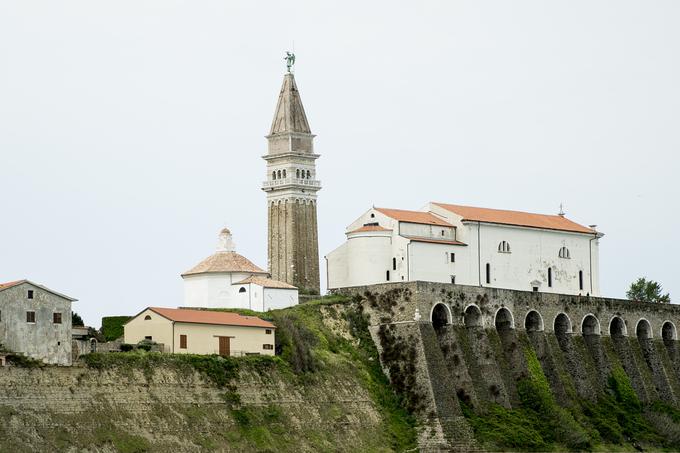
112 327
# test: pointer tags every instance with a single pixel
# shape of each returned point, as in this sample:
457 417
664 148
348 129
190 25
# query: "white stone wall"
274 298
214 290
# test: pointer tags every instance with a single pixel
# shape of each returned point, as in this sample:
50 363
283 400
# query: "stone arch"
668 331
472 316
440 315
617 327
504 319
533 322
643 330
590 325
562 324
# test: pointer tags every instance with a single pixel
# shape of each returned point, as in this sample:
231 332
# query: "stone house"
466 245
201 332
36 321
227 279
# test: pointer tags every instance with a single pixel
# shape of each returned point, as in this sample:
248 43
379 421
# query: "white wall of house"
214 290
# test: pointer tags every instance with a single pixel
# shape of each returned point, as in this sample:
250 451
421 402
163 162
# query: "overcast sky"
131 131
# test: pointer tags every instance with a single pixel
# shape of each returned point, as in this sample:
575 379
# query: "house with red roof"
467 245
189 331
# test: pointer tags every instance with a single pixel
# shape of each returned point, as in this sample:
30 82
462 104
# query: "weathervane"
290 60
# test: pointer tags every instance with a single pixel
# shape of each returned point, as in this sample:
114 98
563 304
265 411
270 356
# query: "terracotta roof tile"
265 282
10 284
435 241
526 219
370 228
225 262
426 218
211 317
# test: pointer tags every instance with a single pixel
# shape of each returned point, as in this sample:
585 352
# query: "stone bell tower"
291 187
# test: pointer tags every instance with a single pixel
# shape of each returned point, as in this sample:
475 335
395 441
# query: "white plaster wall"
275 298
432 263
214 290
427 231
158 328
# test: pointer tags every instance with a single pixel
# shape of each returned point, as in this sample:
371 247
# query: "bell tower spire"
291 187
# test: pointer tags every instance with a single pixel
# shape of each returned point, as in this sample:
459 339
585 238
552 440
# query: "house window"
488 273
30 316
504 247
580 280
535 289
268 346
550 277
443 233
148 337
30 294
453 257
394 264
268 331
387 276
147 318
182 341
56 318
564 253
242 289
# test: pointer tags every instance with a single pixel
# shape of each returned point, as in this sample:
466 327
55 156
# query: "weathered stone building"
35 321
291 188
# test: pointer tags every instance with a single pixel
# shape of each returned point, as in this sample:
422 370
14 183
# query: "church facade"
471 246
291 187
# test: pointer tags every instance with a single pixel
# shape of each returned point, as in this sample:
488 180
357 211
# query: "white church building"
469 246
226 279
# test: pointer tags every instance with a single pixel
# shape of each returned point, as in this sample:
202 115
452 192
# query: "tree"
644 290
76 320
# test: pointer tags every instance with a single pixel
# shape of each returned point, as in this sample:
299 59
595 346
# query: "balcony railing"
290 181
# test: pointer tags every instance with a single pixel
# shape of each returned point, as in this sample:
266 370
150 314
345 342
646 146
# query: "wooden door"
224 346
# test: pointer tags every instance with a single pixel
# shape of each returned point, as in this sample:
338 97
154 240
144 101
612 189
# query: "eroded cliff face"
338 399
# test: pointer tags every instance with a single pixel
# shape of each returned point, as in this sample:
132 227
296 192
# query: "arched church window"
303 174
242 289
278 174
297 173
550 277
564 253
147 318
273 175
504 247
284 173
309 174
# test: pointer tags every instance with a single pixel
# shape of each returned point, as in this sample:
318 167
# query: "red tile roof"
526 219
211 317
435 241
225 262
265 282
426 218
370 228
10 284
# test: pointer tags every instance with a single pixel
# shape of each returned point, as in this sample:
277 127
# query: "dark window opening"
535 289
309 174
453 279
56 318
30 316
387 276
273 175
268 331
148 338
443 233
58 343
550 277
268 346
488 273
371 224
147 318
30 294
373 216
242 290
580 280
182 341
394 264
453 257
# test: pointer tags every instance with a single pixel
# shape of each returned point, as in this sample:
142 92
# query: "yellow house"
201 332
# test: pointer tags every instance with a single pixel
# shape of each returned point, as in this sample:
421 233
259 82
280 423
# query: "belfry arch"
590 325
533 322
562 324
504 320
617 327
472 316
643 330
440 315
